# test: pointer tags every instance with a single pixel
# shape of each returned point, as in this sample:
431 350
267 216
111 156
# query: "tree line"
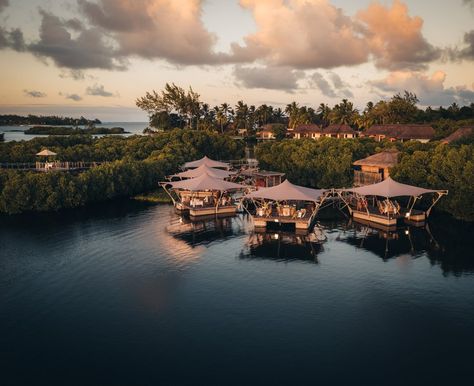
136 164
175 107
327 163
12 119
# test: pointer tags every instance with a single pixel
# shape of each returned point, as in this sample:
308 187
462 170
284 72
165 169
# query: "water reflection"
206 230
284 246
388 244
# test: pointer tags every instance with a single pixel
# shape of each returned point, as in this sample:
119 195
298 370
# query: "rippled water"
129 293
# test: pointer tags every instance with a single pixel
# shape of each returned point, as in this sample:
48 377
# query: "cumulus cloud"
316 34
34 93
166 29
302 34
274 78
395 39
467 52
98 90
87 50
73 97
429 89
318 80
340 85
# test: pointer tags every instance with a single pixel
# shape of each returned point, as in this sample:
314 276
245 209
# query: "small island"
63 130
51 120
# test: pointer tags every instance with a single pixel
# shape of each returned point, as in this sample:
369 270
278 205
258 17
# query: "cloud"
302 34
98 90
87 50
4 4
74 97
466 53
429 89
310 34
318 80
340 85
272 78
395 39
34 93
165 29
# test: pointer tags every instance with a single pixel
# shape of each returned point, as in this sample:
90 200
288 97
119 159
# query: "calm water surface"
16 133
129 294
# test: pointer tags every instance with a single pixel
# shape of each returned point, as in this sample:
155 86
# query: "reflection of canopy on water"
216 173
206 161
205 182
281 247
390 188
286 191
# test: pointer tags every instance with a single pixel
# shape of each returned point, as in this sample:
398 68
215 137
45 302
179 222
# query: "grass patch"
157 196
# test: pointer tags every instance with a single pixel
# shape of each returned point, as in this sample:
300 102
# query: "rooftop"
387 158
402 131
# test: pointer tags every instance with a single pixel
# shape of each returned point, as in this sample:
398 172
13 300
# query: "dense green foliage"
442 167
12 119
62 130
136 165
327 163
175 107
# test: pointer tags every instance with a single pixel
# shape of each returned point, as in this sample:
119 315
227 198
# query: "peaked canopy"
216 173
46 153
287 191
206 161
390 188
205 182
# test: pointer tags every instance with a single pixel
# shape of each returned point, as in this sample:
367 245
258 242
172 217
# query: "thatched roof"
402 131
311 128
384 159
459 134
339 129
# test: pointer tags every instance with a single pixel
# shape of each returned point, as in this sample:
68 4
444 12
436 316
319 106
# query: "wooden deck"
200 211
50 166
374 216
303 223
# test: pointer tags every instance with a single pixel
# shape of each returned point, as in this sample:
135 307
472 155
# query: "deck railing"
366 178
50 166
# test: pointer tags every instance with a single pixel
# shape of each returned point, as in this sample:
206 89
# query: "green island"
13 120
62 130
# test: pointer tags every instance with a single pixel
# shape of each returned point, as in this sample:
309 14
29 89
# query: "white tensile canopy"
390 188
286 191
206 161
206 182
46 153
216 173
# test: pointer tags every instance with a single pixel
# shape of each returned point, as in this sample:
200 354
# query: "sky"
96 57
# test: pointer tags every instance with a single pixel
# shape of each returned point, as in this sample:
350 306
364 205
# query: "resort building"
375 168
400 132
459 134
315 132
266 132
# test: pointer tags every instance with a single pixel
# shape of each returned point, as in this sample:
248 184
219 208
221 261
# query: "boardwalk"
50 166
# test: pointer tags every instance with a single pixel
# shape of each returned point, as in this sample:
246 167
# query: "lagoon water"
16 133
128 293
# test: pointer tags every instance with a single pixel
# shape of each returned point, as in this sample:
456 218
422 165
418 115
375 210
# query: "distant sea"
16 133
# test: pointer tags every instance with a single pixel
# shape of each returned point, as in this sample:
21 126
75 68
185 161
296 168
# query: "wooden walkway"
50 166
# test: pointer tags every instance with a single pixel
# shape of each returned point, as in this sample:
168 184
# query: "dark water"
126 294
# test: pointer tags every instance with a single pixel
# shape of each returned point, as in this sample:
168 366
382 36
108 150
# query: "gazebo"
206 161
286 203
387 212
47 154
203 195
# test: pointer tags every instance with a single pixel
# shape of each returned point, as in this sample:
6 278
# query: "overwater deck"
372 214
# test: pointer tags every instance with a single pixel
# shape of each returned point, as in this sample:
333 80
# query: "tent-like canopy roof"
205 182
216 173
46 153
287 191
206 161
390 188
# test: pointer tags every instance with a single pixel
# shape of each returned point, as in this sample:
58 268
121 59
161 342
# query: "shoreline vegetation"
158 197
188 129
50 120
62 130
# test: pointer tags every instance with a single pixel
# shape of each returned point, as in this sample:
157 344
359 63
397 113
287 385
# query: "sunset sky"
95 57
